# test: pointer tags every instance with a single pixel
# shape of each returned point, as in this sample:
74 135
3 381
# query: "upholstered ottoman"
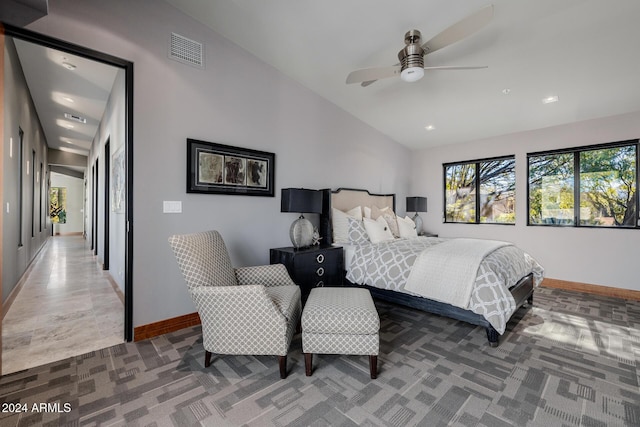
340 321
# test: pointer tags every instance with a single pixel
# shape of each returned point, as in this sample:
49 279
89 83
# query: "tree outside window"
488 199
606 181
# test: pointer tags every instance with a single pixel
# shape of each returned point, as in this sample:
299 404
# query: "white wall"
607 257
75 203
237 100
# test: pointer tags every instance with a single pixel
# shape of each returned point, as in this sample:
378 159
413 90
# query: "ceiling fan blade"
455 67
460 30
369 75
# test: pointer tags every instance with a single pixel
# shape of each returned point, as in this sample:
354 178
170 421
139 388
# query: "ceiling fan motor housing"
412 55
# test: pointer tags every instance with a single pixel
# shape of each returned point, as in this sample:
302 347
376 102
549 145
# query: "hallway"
67 306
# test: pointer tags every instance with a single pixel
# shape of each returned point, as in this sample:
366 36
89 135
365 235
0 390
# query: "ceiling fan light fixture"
411 58
412 74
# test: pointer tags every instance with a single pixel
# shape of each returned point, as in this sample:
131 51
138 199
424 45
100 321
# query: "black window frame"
477 163
576 151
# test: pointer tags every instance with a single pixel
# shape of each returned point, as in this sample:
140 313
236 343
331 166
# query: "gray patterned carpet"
570 360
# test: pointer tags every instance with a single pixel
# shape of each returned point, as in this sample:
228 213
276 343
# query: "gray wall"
237 100
112 129
19 112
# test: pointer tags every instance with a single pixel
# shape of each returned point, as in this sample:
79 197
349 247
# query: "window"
480 191
593 186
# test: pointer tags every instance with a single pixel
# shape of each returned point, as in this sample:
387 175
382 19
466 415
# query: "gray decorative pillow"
340 224
357 233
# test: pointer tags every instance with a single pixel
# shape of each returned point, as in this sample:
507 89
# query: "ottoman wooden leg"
308 361
207 359
373 367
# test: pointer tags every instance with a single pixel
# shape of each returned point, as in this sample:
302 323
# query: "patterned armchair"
249 310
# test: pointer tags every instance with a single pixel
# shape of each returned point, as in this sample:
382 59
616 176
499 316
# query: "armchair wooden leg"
207 359
373 366
283 366
308 364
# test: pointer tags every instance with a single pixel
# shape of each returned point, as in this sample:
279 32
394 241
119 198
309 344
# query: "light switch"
171 206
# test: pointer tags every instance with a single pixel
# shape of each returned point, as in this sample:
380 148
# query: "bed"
504 276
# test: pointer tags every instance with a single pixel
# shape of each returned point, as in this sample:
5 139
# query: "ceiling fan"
411 67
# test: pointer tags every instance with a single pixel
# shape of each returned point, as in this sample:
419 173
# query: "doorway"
98 227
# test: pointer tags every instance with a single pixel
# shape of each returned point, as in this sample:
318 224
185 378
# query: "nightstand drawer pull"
320 284
320 271
320 258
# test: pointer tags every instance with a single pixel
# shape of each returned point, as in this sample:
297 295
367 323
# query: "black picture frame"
222 169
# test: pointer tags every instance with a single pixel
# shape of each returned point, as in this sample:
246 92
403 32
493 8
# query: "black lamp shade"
416 204
301 200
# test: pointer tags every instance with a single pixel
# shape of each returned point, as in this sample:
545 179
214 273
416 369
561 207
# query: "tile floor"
66 307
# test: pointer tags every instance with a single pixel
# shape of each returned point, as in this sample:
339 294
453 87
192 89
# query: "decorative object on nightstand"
301 200
417 204
314 267
316 237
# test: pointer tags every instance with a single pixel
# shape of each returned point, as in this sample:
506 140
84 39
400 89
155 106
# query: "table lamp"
417 204
301 200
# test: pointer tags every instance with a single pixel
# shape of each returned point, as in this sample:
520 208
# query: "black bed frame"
522 291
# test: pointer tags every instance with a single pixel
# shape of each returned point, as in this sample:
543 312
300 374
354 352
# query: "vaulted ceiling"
584 52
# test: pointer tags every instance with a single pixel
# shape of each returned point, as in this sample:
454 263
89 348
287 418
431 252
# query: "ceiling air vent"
75 118
185 50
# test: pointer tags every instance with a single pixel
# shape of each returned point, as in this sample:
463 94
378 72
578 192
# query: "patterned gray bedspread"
387 265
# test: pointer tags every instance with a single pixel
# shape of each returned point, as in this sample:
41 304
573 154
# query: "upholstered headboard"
345 199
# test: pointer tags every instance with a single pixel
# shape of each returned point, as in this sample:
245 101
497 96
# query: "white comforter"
387 265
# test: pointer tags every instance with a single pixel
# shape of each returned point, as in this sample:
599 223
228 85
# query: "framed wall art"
118 181
222 169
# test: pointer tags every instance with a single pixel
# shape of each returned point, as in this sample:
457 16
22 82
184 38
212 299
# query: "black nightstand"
311 267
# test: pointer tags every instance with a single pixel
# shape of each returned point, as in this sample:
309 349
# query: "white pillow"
388 215
341 224
367 211
377 230
407 227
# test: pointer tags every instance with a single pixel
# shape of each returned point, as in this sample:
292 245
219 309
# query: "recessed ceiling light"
506 91
68 65
550 99
430 127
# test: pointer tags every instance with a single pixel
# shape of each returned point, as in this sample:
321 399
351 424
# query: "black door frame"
93 204
107 202
94 209
127 66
